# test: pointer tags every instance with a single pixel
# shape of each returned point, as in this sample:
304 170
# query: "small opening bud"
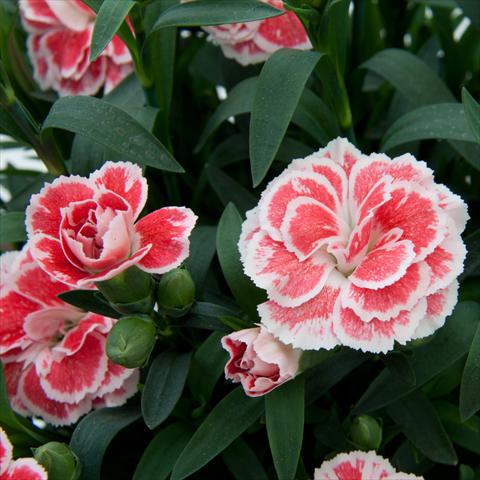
176 292
366 432
59 461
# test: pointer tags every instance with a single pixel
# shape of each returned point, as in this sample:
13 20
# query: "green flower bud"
131 341
366 433
176 292
59 461
130 291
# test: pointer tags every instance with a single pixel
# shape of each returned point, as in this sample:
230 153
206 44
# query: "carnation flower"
21 469
355 250
254 42
360 465
59 37
81 230
259 361
53 354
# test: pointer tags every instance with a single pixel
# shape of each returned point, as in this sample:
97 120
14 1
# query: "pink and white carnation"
254 42
59 37
259 361
20 469
360 465
355 250
83 230
53 354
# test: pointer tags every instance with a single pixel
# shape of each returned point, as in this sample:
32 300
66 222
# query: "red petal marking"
71 14
44 212
250 227
446 262
168 231
308 326
55 413
126 180
377 335
386 303
288 281
377 196
118 52
49 254
245 53
25 469
439 306
37 12
417 215
116 74
42 73
13 310
5 452
308 225
384 265
342 152
288 186
65 49
46 324
12 373
454 206
119 396
333 172
88 84
114 378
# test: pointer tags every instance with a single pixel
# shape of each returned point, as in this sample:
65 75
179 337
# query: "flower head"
59 36
81 230
355 250
21 469
360 465
254 42
259 361
53 354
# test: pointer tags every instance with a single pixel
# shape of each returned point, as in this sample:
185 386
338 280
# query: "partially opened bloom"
53 354
360 465
254 42
81 230
259 361
355 250
60 32
20 469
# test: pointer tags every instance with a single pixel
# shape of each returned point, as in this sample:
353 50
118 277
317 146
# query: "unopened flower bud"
59 461
131 341
176 292
366 432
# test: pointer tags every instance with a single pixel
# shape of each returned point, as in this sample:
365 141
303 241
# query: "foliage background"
389 74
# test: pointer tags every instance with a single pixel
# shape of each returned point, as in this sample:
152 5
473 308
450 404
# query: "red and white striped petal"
417 214
42 73
167 231
377 335
250 227
114 379
90 366
25 469
6 450
70 15
119 396
43 215
439 306
55 413
245 53
384 265
37 15
89 83
309 326
45 324
285 188
386 303
309 225
288 281
126 180
118 52
115 74
378 195
454 206
342 152
12 372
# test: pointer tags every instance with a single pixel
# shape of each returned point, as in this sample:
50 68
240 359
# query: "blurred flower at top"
59 36
254 42
53 354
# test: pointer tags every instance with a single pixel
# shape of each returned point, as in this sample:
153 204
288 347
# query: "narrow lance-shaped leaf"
109 19
110 126
242 462
470 386
279 88
12 227
472 112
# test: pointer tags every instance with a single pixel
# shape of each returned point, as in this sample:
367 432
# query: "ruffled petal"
71 15
6 450
119 396
25 469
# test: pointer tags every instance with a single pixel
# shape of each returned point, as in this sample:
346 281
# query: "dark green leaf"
470 387
472 261
208 364
399 365
12 227
472 112
448 345
242 462
471 8
110 17
114 129
227 421
438 3
89 301
95 432
163 387
162 452
422 426
278 92
247 295
210 12
285 410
